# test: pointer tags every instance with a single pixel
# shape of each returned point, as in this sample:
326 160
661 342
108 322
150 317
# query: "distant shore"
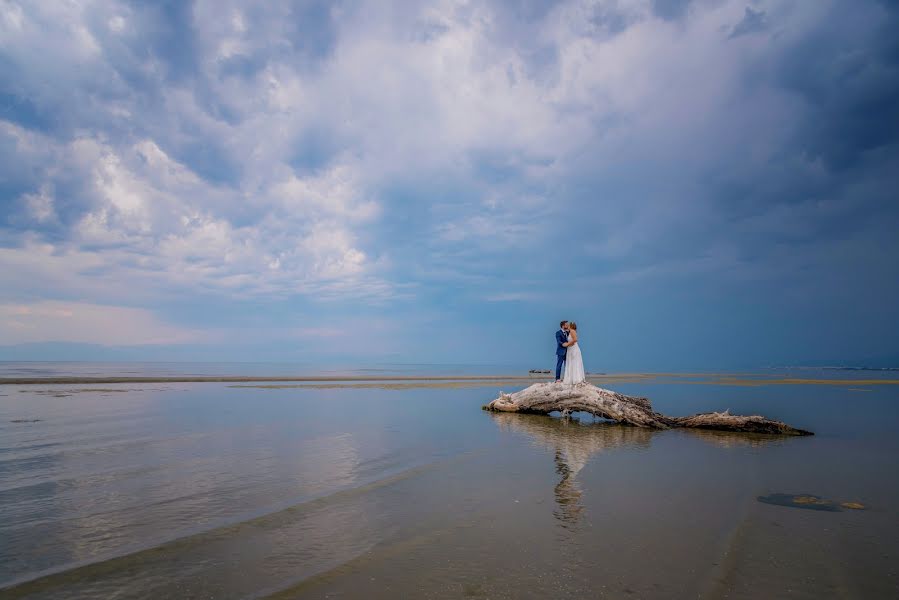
252 379
361 380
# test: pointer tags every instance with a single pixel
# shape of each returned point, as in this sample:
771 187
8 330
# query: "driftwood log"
544 398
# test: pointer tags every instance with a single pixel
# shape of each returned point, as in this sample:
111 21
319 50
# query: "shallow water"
22 369
207 490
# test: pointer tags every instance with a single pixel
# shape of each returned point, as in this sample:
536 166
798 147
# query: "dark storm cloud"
850 88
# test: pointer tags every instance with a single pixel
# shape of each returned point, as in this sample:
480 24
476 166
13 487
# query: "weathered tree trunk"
544 398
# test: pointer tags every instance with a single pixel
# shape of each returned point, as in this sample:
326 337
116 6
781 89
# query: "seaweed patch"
809 502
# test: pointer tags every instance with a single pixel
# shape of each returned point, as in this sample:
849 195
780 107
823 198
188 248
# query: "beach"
399 485
483 300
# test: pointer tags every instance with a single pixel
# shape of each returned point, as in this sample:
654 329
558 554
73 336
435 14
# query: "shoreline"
68 380
682 378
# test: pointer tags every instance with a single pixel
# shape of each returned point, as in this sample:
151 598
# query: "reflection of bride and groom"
573 443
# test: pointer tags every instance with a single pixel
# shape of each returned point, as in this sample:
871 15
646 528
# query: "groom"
561 348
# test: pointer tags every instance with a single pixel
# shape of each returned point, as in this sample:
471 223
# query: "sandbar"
448 381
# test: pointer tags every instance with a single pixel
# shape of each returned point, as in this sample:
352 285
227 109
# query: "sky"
700 184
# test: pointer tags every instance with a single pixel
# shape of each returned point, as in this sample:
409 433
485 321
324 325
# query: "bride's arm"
573 338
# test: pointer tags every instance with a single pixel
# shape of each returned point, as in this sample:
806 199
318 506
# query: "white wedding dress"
574 365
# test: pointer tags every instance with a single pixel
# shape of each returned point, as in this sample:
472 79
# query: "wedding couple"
568 355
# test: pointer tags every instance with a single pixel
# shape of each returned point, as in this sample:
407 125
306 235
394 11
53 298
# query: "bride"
574 363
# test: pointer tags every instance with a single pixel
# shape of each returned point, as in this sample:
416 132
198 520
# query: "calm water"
212 491
12 369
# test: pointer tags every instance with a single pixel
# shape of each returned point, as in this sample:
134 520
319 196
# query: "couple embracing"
568 355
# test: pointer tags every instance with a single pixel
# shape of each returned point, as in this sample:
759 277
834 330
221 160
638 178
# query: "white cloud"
333 193
55 321
116 23
40 204
151 221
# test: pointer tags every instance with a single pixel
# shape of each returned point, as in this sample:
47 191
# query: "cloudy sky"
699 183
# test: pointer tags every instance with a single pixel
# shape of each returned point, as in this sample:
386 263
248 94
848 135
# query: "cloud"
54 321
392 158
670 9
142 216
754 21
40 204
514 297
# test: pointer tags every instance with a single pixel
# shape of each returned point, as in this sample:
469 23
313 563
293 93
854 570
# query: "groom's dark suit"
561 352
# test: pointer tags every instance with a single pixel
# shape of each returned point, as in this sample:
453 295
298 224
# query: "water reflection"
107 486
572 443
734 439
568 493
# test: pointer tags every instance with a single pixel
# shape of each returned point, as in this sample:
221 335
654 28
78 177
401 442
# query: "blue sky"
700 184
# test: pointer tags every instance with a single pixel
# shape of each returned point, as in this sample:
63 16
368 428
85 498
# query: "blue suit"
561 352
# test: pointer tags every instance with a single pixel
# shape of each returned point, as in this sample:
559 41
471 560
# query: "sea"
408 489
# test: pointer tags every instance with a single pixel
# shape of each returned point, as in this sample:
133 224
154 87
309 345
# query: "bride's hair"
572 325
